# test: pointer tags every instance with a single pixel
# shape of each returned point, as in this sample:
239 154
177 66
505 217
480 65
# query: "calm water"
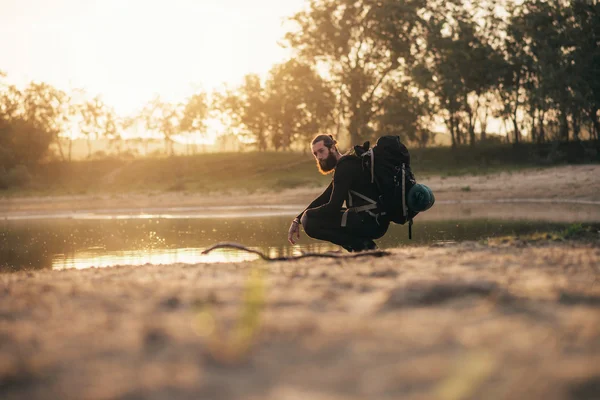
82 243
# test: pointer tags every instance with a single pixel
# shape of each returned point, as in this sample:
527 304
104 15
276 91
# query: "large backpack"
400 197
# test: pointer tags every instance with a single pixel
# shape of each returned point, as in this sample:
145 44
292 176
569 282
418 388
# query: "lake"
104 239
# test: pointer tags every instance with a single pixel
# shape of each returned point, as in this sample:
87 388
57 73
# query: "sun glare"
128 51
82 260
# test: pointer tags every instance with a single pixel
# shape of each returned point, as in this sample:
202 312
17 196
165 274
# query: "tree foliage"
362 68
361 45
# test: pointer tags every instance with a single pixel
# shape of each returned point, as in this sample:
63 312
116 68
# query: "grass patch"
574 232
578 231
233 346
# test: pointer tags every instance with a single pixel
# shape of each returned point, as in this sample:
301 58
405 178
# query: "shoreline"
572 183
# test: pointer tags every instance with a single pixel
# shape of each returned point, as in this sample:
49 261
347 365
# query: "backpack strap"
362 196
369 153
404 208
366 208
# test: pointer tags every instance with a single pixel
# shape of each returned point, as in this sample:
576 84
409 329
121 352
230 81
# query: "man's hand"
294 230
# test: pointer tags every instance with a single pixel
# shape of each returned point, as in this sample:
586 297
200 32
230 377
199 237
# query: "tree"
110 129
91 124
583 35
460 65
195 112
47 108
299 104
163 119
561 40
245 109
360 44
31 120
401 114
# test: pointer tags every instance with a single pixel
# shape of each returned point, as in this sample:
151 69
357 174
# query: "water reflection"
81 243
85 259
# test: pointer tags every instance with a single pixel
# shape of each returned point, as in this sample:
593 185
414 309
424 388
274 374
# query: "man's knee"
304 219
309 224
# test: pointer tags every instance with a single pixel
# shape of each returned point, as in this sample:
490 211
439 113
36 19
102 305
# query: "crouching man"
353 227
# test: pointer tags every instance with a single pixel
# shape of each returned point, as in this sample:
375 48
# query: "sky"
129 50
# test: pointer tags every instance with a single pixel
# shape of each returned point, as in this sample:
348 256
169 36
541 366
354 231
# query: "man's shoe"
369 245
348 248
363 245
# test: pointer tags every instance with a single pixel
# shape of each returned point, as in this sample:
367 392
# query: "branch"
223 245
383 75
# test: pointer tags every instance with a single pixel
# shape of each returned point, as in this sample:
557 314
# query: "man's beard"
327 165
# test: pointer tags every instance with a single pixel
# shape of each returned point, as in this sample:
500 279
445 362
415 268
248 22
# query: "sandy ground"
508 319
471 321
575 182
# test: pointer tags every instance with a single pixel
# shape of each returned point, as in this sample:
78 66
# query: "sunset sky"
127 51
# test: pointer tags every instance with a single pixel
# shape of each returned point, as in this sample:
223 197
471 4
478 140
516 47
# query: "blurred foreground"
507 319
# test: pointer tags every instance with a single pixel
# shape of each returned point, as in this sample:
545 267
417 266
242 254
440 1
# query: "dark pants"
360 228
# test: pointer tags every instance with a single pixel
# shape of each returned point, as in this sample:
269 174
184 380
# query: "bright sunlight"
128 51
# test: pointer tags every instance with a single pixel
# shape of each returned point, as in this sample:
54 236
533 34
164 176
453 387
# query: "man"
353 228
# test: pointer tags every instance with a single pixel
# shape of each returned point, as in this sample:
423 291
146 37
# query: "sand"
578 183
504 319
469 321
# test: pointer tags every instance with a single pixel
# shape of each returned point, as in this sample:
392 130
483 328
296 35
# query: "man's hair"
328 140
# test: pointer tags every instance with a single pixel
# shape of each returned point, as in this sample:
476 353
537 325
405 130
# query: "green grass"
578 231
574 232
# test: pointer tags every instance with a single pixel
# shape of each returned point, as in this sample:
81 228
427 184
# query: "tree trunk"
286 137
576 126
60 149
596 124
533 127
564 125
459 131
472 114
516 129
471 128
542 135
483 123
514 116
506 131
354 127
451 125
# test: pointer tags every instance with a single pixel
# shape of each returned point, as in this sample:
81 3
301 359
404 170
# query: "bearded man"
353 227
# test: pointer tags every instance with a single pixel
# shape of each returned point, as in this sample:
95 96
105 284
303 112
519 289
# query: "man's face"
326 159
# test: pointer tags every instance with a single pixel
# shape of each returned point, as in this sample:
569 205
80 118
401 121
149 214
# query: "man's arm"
319 201
294 231
342 180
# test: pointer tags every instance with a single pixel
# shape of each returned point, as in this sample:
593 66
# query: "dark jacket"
348 175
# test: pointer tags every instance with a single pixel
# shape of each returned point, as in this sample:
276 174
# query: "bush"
18 176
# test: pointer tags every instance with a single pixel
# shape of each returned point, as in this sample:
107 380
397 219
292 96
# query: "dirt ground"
500 320
504 319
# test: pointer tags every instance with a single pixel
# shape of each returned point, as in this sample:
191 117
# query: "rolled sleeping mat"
420 198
